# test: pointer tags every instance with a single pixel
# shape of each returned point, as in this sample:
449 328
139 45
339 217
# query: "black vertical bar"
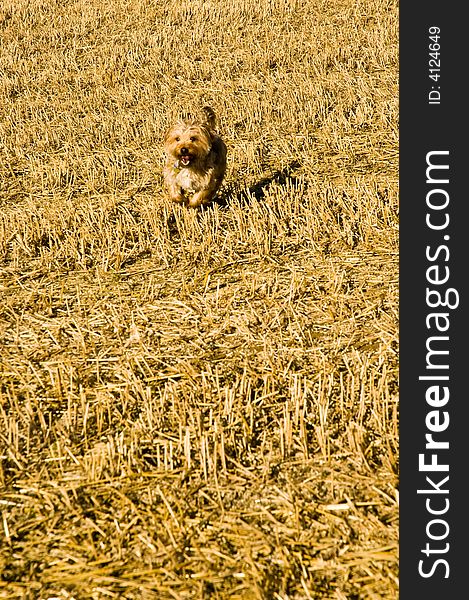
434 267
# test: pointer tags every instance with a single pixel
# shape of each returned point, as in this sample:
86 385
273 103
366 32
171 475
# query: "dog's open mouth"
185 160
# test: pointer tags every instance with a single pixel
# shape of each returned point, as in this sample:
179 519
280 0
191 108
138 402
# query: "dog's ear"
168 135
210 117
212 134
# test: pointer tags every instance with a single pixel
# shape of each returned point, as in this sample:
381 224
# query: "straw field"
199 404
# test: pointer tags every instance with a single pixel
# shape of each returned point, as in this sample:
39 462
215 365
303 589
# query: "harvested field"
199 404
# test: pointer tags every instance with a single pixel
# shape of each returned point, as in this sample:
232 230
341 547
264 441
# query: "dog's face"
188 143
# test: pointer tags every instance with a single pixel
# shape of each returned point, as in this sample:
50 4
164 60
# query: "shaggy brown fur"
196 160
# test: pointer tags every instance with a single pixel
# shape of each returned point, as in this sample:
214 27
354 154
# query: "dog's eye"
177 138
193 139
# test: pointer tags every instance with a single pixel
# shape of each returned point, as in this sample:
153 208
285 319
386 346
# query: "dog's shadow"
256 191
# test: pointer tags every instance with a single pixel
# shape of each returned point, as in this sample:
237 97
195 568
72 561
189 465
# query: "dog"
196 160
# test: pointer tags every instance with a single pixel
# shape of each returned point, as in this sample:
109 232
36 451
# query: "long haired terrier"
196 160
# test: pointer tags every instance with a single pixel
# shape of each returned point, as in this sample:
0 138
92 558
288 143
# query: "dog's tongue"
185 160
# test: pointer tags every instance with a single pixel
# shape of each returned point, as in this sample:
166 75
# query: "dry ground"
198 404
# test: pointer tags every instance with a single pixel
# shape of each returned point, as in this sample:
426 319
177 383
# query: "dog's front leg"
176 194
200 198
